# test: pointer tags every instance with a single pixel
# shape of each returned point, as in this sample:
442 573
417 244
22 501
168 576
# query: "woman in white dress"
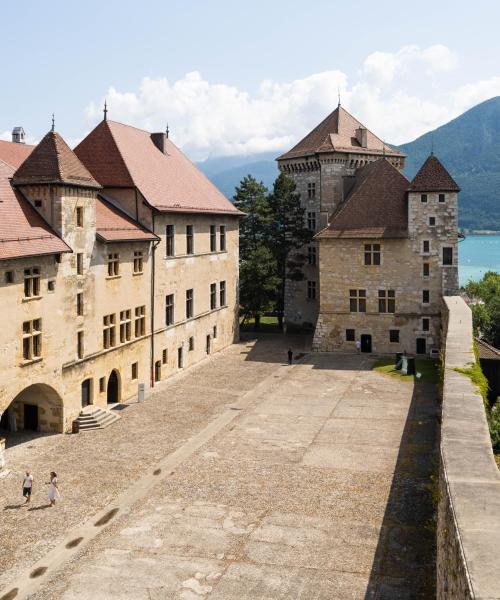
53 488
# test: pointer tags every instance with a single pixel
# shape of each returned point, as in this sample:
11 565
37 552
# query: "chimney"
18 135
362 136
160 141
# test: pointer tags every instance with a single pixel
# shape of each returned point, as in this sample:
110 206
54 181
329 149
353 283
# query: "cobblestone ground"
318 488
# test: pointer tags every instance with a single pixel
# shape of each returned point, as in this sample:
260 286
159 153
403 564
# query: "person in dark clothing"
290 356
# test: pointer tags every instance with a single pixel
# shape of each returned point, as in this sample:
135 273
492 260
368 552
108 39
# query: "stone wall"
468 535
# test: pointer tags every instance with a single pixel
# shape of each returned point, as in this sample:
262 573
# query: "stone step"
93 417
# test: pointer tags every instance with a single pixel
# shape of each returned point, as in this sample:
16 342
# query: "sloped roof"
113 225
14 154
375 207
433 177
123 156
487 352
23 232
53 161
338 133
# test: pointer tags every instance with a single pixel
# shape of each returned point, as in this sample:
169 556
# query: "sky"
232 77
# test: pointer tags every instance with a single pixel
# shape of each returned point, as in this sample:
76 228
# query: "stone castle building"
118 266
385 249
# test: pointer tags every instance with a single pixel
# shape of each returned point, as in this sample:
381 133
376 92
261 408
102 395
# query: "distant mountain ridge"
468 146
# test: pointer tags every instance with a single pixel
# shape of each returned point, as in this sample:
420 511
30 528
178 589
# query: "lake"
476 255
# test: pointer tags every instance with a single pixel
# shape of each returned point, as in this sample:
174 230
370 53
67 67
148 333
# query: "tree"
258 271
486 316
288 236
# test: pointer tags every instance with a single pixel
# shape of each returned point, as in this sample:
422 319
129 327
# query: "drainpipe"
152 302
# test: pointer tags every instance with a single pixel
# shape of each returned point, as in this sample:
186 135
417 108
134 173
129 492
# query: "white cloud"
398 95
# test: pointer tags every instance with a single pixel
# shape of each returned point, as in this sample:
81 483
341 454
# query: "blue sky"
244 77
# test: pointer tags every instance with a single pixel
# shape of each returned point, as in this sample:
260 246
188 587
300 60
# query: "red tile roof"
14 154
53 161
338 133
375 207
487 352
119 155
433 177
23 232
113 225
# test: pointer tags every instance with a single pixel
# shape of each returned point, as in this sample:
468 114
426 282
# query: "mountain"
468 146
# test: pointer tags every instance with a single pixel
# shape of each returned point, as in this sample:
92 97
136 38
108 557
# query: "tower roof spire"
53 123
105 111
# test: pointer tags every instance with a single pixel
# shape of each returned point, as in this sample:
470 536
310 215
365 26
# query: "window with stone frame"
372 254
189 303
213 296
79 216
113 264
169 309
386 301
394 336
9 277
447 255
32 282
426 269
32 339
357 300
423 198
442 198
426 324
311 221
135 370
426 246
189 239
311 189
109 331
164 356
222 293
140 321
170 240
79 304
138 262
311 290
222 238
79 344
125 326
312 255
350 335
213 238
79 263
425 297
191 344
214 332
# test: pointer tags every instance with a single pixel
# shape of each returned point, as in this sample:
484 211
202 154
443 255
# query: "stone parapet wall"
468 535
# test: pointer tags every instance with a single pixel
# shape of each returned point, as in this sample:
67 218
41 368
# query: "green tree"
486 317
288 236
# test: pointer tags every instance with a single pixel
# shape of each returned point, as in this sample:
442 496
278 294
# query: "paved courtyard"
242 479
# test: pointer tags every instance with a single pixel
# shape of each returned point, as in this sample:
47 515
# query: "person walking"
27 486
358 346
290 356
53 488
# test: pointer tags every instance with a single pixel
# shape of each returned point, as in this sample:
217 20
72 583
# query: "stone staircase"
93 417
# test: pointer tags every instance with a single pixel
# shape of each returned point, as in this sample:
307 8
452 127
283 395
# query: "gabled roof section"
23 232
119 155
114 225
14 154
376 206
433 177
53 161
487 352
338 132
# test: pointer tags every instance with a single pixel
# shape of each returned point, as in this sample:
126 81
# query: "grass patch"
267 324
428 369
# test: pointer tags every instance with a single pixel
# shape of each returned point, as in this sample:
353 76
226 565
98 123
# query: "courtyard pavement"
241 479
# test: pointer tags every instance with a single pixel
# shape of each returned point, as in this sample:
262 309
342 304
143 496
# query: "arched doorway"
113 393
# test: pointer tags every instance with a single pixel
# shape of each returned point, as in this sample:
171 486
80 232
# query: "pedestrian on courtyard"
358 346
27 486
290 356
53 488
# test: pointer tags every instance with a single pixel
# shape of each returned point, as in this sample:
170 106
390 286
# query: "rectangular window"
357 300
432 221
442 198
169 309
311 290
32 339
138 262
426 269
394 336
158 370
189 304
9 276
213 238
79 344
311 190
425 297
31 282
170 240
51 285
102 385
426 248
79 216
426 324
79 263
79 304
213 296
215 332
140 321
38 204
350 335
189 239
113 264
135 370
109 331
191 343
311 221
386 301
222 293
125 326
423 197
372 254
222 238
311 255
164 356
447 256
